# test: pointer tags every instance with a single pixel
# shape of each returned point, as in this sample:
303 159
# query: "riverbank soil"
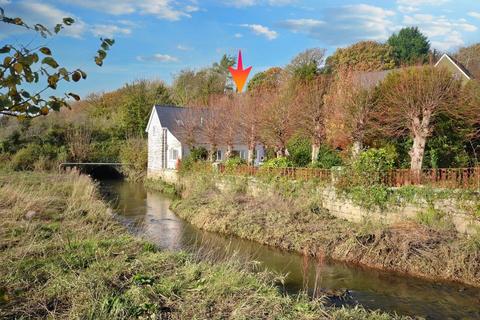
291 218
64 256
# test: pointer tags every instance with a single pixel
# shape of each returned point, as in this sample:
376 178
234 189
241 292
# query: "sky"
155 39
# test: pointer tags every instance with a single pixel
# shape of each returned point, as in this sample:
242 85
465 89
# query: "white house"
168 138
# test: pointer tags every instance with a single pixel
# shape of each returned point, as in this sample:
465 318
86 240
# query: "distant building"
173 131
371 79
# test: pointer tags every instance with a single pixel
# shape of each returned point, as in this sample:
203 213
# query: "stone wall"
344 208
167 175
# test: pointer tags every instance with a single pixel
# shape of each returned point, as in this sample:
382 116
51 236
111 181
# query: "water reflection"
373 289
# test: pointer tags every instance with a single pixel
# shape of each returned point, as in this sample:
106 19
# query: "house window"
173 154
242 154
219 155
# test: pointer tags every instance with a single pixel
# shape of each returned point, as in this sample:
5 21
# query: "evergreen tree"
410 46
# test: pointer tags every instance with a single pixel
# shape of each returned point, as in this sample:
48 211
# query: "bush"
198 153
134 153
234 162
281 162
26 157
300 151
38 157
327 158
370 166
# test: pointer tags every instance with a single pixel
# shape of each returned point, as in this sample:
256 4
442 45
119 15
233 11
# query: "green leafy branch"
20 66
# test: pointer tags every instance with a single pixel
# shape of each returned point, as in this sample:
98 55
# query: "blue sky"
157 38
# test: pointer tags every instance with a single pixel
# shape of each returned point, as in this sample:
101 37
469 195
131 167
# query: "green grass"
72 260
163 187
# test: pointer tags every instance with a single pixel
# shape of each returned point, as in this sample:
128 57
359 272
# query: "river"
148 213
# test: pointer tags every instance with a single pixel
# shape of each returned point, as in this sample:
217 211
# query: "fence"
453 178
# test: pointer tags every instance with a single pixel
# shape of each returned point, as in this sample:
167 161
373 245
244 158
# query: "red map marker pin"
240 75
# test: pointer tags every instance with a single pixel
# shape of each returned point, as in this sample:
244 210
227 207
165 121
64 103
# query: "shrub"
281 162
134 153
327 158
234 162
26 157
300 151
198 153
370 166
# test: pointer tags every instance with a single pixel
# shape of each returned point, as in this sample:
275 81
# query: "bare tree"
212 127
470 105
190 125
277 118
352 99
249 117
226 109
312 110
412 99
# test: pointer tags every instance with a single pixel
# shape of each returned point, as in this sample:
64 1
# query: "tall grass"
63 256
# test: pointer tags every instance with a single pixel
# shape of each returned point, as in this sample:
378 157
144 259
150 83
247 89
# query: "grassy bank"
63 256
291 218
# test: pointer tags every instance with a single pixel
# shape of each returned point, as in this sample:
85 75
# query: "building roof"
456 64
182 122
373 78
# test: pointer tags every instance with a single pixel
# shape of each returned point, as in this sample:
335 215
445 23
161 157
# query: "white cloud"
260 30
418 3
411 6
4 2
250 3
162 9
33 12
238 35
444 33
346 24
109 31
158 57
183 47
474 14
303 25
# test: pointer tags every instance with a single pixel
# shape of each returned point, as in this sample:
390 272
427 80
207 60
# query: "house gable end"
447 61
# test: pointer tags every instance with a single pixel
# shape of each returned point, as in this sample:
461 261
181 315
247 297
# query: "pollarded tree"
278 118
312 110
27 71
362 56
227 114
411 101
409 46
352 100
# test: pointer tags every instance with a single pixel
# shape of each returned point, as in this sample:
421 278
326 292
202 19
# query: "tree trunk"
212 153
356 148
416 155
229 152
280 152
315 151
251 154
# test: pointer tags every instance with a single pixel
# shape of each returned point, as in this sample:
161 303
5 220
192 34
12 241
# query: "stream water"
148 212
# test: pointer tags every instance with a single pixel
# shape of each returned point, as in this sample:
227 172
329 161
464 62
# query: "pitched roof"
181 120
457 64
373 78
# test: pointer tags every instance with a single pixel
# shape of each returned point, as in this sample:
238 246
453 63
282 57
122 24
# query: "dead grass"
71 260
291 217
